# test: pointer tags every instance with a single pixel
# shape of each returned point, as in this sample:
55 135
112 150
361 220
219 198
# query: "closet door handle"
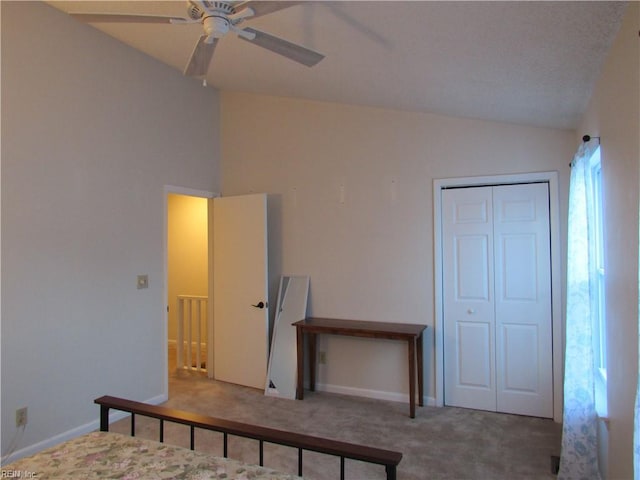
260 305
471 311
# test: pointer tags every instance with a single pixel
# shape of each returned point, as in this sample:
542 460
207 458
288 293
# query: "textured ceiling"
529 62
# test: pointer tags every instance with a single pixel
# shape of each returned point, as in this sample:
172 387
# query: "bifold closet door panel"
469 313
523 299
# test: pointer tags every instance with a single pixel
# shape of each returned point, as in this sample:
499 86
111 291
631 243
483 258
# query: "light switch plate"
143 281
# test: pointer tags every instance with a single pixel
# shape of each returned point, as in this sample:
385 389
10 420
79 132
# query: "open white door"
240 293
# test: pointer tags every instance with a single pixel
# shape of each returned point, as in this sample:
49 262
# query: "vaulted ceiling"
528 62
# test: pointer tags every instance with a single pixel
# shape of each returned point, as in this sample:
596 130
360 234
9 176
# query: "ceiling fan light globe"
216 27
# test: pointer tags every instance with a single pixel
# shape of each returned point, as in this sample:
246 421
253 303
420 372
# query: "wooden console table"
409 332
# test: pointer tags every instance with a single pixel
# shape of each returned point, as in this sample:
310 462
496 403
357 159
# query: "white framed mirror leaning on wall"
291 307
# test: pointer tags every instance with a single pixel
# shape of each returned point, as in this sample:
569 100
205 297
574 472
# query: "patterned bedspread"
112 455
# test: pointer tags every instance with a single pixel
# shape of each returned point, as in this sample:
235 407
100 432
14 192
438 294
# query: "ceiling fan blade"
125 18
264 7
201 57
282 47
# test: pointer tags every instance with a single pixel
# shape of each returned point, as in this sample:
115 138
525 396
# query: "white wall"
92 131
371 256
614 115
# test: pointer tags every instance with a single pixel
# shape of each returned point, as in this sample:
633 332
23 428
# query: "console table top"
359 327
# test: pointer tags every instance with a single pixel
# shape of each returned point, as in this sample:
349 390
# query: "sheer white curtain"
579 457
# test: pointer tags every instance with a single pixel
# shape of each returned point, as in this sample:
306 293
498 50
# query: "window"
596 242
585 382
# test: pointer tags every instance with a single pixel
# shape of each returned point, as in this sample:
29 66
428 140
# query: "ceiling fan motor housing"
198 10
213 16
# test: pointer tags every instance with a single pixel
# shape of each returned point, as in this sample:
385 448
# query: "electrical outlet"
323 358
21 417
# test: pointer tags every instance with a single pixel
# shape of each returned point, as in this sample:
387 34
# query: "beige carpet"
440 443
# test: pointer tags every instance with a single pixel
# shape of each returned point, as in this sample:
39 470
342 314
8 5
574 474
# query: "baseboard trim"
75 432
368 393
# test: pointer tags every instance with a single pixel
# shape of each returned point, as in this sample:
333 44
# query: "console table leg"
412 378
312 362
420 371
300 354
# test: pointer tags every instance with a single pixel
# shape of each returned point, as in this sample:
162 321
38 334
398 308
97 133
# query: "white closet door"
469 313
523 299
497 299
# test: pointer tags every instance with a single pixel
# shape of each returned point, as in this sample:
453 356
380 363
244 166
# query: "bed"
107 454
100 455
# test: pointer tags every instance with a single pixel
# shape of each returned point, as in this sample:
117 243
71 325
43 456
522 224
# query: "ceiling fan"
218 18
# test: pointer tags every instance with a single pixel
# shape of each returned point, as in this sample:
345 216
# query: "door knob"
260 305
471 311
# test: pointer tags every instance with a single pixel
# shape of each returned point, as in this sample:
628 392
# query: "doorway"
234 231
187 280
186 269
442 337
